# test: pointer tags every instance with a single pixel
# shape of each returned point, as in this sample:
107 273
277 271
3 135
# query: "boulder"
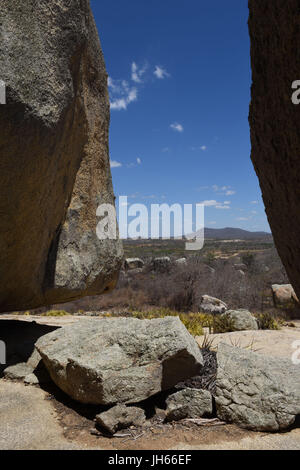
120 417
212 305
119 360
274 122
133 263
55 168
189 403
241 320
161 264
256 392
284 295
181 261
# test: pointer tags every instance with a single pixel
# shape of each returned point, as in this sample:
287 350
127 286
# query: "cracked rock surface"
256 392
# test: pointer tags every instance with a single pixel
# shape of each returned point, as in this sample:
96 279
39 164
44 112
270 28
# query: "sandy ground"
43 418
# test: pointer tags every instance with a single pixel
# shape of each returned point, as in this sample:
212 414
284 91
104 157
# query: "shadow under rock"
19 338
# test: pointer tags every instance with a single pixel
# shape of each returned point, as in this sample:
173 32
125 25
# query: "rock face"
283 295
212 305
274 122
54 164
256 392
120 417
189 403
119 360
242 320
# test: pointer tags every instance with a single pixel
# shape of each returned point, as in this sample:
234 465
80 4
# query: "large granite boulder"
54 164
119 360
241 320
256 392
275 122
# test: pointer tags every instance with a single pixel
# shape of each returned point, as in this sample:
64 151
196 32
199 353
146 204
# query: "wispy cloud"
242 218
160 72
139 161
254 202
217 205
121 94
226 190
115 164
137 72
176 127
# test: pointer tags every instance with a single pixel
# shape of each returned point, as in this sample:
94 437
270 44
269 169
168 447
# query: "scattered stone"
31 379
212 305
133 263
181 261
241 320
161 264
256 392
119 360
283 295
18 371
189 403
120 417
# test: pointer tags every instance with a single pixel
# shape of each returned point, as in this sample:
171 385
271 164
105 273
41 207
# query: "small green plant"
190 320
223 324
55 313
267 322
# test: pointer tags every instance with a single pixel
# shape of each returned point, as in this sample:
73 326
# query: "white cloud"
242 218
176 127
211 223
137 72
139 161
115 164
121 94
160 73
230 193
209 203
254 202
226 190
225 207
203 148
253 212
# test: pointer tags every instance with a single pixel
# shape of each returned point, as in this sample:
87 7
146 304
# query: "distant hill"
230 233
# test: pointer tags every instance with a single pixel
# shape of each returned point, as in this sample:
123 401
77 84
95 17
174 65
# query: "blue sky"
179 81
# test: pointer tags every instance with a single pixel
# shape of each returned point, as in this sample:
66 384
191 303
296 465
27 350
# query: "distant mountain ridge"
231 233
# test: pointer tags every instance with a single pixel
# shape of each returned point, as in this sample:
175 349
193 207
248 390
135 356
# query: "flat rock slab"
28 421
119 360
256 392
271 343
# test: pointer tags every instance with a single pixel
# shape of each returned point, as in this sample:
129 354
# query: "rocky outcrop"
54 164
189 403
256 392
212 305
241 320
274 121
284 295
119 360
120 417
